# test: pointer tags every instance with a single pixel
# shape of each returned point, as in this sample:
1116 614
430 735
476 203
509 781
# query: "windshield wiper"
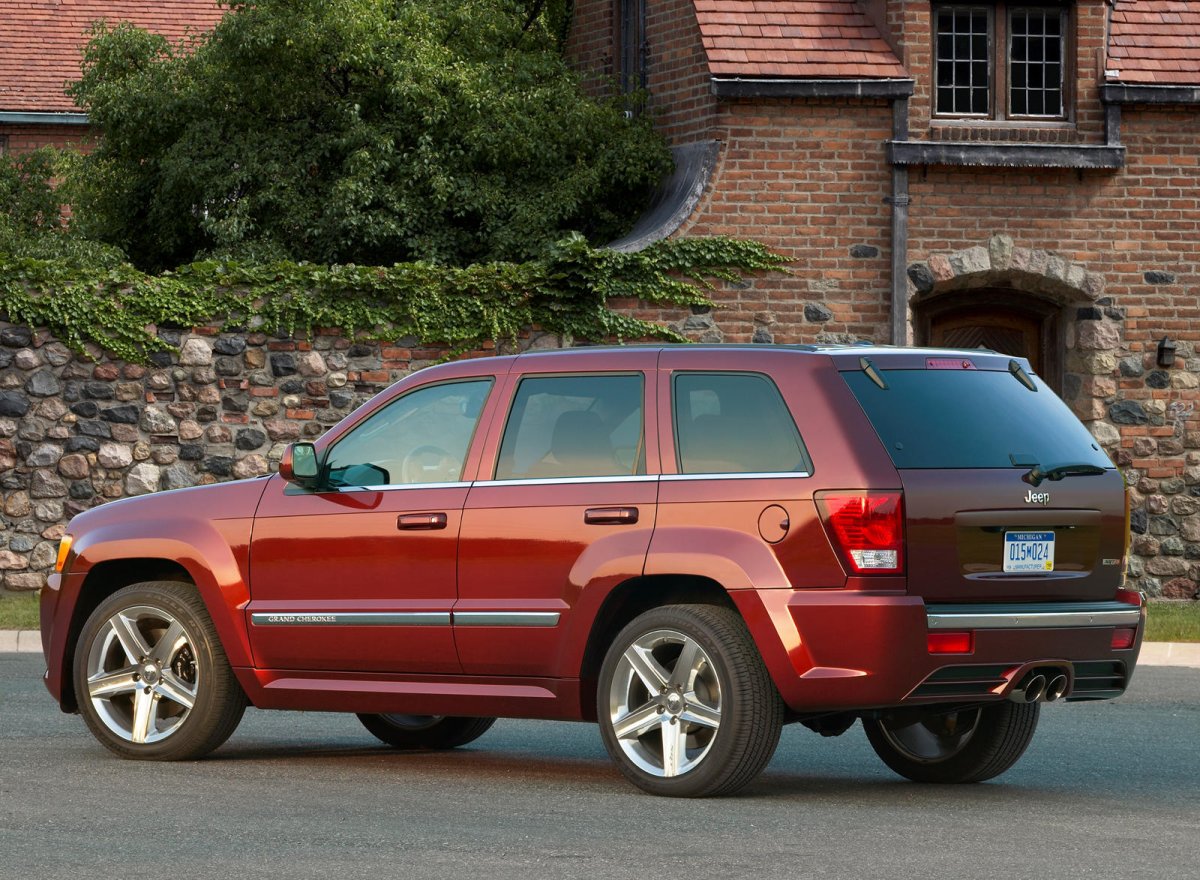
1058 471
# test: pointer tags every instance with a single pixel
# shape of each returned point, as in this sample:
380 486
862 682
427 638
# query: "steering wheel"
429 464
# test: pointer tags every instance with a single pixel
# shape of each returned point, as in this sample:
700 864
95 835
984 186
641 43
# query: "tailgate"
985 535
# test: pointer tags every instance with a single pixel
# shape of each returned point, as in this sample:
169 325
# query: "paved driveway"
1108 790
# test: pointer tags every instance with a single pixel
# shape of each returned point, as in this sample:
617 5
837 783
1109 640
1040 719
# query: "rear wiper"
1058 471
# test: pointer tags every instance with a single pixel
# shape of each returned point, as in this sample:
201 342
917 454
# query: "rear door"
1007 495
562 512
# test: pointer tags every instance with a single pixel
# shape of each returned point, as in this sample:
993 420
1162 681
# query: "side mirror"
299 464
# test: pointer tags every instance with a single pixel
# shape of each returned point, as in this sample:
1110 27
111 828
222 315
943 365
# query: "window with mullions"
1026 82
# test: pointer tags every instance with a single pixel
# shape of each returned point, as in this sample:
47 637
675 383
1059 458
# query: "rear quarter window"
971 419
734 423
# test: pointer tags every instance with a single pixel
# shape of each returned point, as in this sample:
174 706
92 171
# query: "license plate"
1028 551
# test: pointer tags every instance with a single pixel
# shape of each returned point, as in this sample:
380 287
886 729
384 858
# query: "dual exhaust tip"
1040 687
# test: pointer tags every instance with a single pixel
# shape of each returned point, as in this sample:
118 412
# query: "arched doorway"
1001 319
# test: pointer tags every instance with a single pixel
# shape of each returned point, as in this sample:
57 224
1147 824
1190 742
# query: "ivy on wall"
565 292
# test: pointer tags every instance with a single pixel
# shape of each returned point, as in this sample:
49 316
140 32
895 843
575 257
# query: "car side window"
574 426
420 438
734 423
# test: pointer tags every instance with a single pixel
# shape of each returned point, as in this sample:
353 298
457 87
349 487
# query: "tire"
685 704
146 653
426 731
952 746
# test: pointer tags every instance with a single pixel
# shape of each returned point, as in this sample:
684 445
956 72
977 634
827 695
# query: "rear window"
971 419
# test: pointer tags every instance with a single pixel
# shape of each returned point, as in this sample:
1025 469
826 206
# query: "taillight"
948 364
1123 637
1131 597
866 528
951 642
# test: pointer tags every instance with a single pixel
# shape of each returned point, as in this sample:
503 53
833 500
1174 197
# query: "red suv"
691 545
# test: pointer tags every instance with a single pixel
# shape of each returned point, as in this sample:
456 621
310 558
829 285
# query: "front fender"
215 554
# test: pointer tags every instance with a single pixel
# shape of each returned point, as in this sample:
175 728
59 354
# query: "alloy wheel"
665 703
142 675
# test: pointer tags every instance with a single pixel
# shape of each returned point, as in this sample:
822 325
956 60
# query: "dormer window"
1001 62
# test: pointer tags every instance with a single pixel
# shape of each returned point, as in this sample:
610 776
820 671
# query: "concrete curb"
21 641
1170 654
29 641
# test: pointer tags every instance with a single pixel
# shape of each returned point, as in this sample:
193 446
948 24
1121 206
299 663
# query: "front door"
359 575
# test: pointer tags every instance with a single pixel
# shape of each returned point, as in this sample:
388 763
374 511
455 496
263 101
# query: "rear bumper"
837 651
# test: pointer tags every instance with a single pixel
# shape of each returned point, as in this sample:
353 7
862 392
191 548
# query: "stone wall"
76 432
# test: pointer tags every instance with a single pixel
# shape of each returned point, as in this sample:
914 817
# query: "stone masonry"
77 431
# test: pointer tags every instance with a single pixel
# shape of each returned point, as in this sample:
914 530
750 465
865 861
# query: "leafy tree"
364 131
33 220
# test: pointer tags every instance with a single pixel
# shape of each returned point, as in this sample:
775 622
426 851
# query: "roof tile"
794 38
40 42
1155 42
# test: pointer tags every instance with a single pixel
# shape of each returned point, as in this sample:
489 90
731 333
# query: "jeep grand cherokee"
691 545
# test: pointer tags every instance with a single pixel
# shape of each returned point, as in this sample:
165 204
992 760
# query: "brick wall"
1113 250
807 178
26 138
682 101
590 45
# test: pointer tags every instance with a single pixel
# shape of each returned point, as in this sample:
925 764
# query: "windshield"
972 419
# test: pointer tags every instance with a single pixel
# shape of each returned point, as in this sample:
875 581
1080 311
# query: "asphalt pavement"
1106 790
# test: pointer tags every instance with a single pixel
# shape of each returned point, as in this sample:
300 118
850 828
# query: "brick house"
1020 176
41 42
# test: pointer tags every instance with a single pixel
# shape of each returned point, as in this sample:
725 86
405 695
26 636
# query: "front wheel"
151 677
937 744
686 706
425 731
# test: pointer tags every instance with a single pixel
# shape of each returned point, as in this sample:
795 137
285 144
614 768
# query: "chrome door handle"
610 516
418 521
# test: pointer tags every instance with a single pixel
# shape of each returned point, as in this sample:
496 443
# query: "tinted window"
734 423
574 426
420 438
971 419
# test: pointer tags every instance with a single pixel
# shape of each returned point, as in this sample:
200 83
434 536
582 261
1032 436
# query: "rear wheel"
686 706
152 679
425 731
953 745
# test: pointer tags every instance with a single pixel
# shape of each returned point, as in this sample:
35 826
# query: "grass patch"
19 611
1173 622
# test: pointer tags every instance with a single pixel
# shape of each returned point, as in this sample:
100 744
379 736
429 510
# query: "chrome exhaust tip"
1056 688
1030 691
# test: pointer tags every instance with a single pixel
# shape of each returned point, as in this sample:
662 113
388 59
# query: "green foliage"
365 131
28 204
32 217
565 291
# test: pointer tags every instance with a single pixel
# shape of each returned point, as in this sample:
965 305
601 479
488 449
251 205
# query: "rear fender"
732 558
